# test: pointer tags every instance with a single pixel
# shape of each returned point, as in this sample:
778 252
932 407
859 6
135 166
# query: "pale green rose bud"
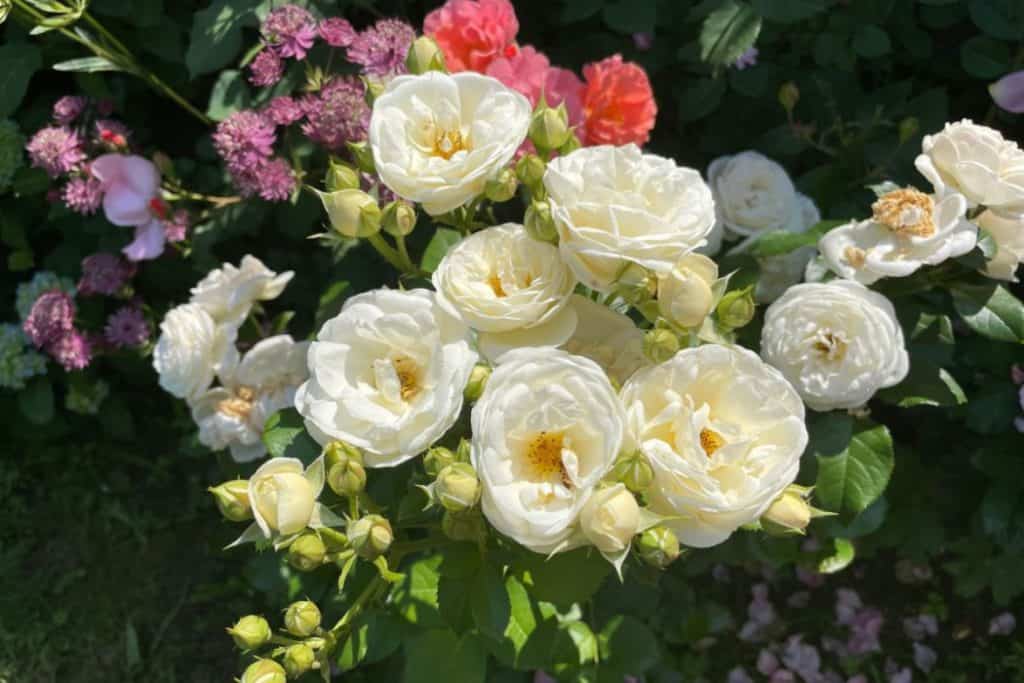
353 213
346 474
660 345
264 671
436 459
232 498
337 452
549 128
502 187
251 632
302 618
398 219
634 471
736 308
539 223
370 536
341 176
457 487
684 293
468 527
363 156
789 95
788 514
530 171
298 659
424 55
908 128
307 552
462 450
570 146
636 284
477 381
658 546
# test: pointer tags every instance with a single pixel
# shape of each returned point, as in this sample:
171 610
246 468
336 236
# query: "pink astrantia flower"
52 317
337 114
126 328
472 33
618 103
55 149
525 71
69 108
381 49
274 181
266 69
284 111
83 195
290 31
1008 92
105 274
73 351
245 140
131 198
337 32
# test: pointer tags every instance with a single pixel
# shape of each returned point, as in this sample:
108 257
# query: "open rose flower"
978 162
909 229
837 343
472 33
509 287
192 350
1008 234
387 375
131 198
547 428
437 139
229 292
723 432
264 382
615 205
618 103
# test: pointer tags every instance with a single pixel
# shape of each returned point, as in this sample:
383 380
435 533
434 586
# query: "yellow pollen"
830 346
447 143
907 212
239 405
544 455
408 376
495 282
711 441
855 256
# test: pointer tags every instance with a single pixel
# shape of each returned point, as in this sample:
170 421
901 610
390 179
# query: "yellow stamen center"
495 282
447 143
907 212
830 346
855 256
408 376
544 456
711 441
239 405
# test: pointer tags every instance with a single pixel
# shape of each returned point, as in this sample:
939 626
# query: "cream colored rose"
685 296
837 343
979 163
723 432
282 496
754 195
547 428
909 229
229 292
509 287
610 339
610 519
233 414
615 205
1008 234
192 350
438 138
387 375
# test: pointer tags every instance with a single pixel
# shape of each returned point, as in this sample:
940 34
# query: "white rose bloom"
836 342
547 428
909 229
1008 234
610 339
229 292
723 432
438 138
387 374
615 205
233 415
509 287
610 519
192 350
977 162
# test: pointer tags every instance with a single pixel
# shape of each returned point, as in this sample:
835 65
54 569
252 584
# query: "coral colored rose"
472 33
618 103
131 197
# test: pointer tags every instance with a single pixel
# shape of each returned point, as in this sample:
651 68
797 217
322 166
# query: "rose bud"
307 552
684 293
298 659
457 487
302 618
232 498
264 671
250 632
370 536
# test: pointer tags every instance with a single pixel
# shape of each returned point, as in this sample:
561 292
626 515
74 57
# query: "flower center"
711 441
855 256
239 405
907 212
544 456
830 345
447 143
408 376
495 282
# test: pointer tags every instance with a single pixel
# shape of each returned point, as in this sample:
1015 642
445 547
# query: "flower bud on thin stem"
264 671
307 552
251 632
424 55
660 345
539 223
530 172
298 659
636 285
353 213
634 471
549 127
232 498
502 187
736 309
370 536
791 512
341 176
457 487
658 546
345 472
436 459
398 218
477 381
302 618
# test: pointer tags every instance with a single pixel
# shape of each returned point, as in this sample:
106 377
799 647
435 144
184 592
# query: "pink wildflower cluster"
50 326
245 140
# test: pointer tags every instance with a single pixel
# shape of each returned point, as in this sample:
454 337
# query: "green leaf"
489 602
700 98
331 301
416 596
36 401
990 310
443 240
87 65
985 57
783 241
21 260
840 559
230 94
851 480
566 578
870 41
374 636
284 435
629 16
1003 19
728 32
216 35
522 622
790 11
20 61
926 385
439 655
578 10
627 646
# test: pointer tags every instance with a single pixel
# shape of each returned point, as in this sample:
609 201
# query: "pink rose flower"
473 33
525 71
618 103
131 198
562 85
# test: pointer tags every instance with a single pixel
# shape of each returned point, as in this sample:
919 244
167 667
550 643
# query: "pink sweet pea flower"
131 198
1008 92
